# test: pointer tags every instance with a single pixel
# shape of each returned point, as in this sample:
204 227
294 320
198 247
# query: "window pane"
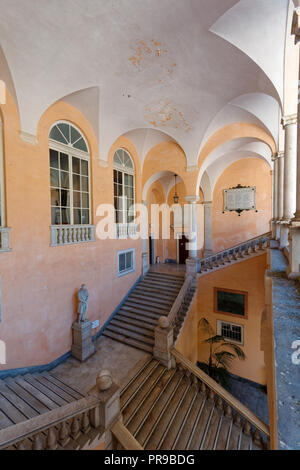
65 198
115 189
84 184
120 190
129 260
55 216
53 158
76 214
122 262
76 182
80 145
115 176
120 180
64 179
65 216
85 203
84 168
55 197
64 128
74 135
54 178
76 165
85 216
76 199
64 162
55 134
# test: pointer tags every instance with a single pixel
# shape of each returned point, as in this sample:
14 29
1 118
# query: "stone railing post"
109 410
164 340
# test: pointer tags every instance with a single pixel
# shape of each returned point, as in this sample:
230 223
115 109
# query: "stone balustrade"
124 231
4 239
241 417
74 426
72 234
235 253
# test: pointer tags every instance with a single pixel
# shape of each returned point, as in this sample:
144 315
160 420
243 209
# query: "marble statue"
83 297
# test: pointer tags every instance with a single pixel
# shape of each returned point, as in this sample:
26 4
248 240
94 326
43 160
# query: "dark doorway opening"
183 252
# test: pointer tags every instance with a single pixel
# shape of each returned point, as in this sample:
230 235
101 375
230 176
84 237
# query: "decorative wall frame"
231 302
239 199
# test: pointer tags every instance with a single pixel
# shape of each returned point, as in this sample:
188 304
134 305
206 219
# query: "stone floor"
251 396
119 358
169 268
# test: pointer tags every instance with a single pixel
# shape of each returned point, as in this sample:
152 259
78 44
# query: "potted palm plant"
221 354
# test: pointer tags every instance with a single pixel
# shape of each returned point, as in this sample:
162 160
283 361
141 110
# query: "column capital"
280 155
288 120
145 203
296 25
207 203
192 199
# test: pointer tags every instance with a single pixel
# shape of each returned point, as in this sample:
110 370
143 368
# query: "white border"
131 270
219 331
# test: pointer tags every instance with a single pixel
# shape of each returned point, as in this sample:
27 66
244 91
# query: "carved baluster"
51 440
60 236
21 446
85 423
75 429
227 257
260 244
38 443
228 412
219 404
257 439
237 420
64 434
247 429
211 395
203 388
247 252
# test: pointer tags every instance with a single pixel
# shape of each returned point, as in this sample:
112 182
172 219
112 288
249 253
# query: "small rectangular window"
126 262
231 302
231 332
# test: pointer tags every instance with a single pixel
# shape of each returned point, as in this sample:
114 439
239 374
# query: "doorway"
151 250
183 252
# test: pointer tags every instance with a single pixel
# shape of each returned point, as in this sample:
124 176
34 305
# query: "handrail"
265 235
21 431
179 299
230 399
125 438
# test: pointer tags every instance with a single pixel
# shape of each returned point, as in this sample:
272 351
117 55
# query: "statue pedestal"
82 346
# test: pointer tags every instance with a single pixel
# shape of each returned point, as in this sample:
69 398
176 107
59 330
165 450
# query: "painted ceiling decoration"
178 72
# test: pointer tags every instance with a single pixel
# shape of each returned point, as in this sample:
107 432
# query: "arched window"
124 188
69 176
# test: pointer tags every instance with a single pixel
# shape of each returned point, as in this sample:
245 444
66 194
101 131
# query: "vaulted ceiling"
154 70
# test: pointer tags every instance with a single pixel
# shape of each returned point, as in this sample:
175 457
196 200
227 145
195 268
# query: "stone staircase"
246 250
27 396
136 320
173 410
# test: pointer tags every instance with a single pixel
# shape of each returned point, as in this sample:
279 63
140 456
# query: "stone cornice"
28 138
288 120
192 199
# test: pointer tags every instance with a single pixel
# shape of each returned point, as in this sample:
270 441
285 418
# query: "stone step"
156 293
164 283
130 334
202 425
137 321
128 340
148 405
138 307
136 329
171 277
151 300
145 432
179 419
167 417
134 385
144 391
186 432
157 285
141 318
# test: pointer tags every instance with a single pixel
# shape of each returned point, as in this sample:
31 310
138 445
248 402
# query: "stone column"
191 262
145 239
280 182
207 229
290 167
293 269
275 195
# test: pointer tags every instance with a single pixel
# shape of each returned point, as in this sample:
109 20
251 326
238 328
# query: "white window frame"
132 269
125 171
219 331
72 152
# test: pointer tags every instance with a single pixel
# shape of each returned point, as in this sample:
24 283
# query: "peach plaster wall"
229 229
247 276
39 282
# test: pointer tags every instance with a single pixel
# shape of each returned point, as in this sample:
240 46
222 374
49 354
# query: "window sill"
62 235
126 272
5 239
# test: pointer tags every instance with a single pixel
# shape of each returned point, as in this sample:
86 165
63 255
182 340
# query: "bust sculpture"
83 297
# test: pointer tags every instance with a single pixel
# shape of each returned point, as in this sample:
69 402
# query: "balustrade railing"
126 230
235 253
72 234
4 239
243 416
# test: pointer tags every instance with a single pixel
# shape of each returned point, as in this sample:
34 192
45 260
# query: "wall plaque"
239 199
